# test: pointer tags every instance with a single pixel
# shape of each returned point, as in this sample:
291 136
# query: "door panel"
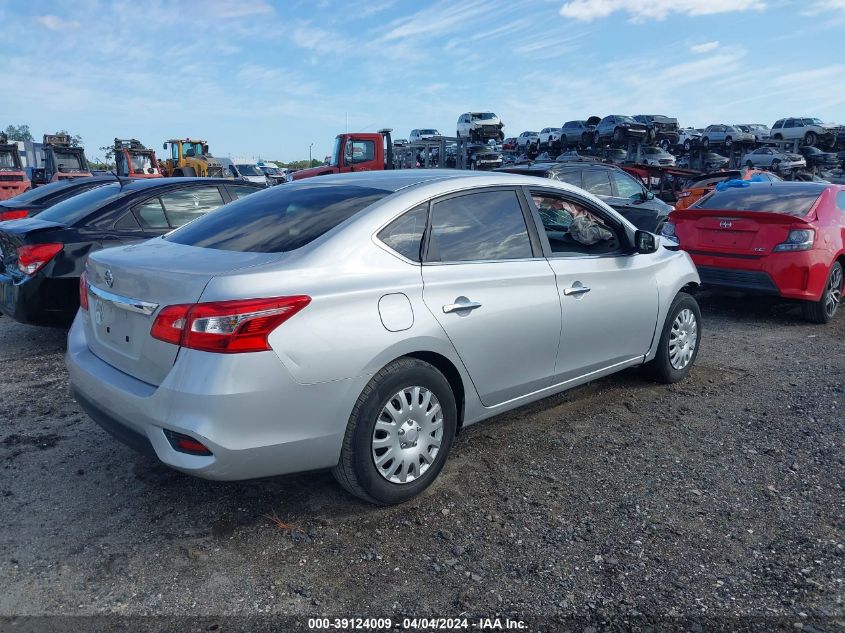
614 321
509 343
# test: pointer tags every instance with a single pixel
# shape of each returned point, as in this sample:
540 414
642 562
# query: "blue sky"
264 78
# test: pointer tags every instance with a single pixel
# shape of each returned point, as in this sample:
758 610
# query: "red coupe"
779 238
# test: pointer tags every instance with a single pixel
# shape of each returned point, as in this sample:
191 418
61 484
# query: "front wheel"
822 311
810 139
687 145
679 341
399 433
776 165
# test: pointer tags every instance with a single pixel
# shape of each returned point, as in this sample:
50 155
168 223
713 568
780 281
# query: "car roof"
150 183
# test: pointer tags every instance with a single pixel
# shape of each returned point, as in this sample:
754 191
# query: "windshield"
483 116
272 171
142 163
67 161
7 160
40 193
278 219
335 160
79 206
249 170
625 119
430 132
812 122
783 198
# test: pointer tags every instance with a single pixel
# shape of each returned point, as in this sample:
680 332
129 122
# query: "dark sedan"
42 258
36 200
817 158
614 186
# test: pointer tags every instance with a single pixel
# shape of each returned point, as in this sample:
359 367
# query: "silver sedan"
773 158
356 322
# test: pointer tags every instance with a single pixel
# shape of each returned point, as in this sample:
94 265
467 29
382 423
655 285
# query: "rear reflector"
83 291
33 257
13 215
226 327
185 443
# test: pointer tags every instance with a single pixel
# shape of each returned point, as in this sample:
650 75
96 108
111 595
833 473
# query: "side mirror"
347 154
164 146
646 242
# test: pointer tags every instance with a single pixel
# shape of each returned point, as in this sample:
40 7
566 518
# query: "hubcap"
408 434
683 339
833 296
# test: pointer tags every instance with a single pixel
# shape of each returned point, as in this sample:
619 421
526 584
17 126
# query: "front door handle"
576 289
457 307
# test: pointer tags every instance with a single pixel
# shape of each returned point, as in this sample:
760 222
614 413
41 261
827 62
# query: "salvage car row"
388 309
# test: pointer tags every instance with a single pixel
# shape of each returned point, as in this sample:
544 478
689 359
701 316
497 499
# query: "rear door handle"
457 307
576 289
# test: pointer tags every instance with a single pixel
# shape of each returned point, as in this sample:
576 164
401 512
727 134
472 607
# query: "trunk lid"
733 233
128 287
13 234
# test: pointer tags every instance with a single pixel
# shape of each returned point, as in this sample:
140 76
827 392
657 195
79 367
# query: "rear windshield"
789 200
81 205
278 219
39 193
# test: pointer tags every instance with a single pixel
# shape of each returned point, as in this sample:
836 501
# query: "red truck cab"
13 178
133 160
361 151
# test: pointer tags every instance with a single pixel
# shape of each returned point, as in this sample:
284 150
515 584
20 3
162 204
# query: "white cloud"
55 23
640 10
227 9
705 47
825 6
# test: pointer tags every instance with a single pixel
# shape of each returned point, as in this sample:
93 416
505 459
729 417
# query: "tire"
776 165
596 139
810 139
749 164
618 135
823 310
189 172
687 145
728 142
778 137
705 143
178 173
670 366
357 471
665 144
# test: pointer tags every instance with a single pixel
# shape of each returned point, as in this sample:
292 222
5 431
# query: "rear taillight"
33 257
226 327
83 291
17 214
797 240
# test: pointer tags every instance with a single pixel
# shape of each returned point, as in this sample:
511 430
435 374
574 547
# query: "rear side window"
151 215
404 235
774 198
239 191
80 206
477 227
184 205
278 219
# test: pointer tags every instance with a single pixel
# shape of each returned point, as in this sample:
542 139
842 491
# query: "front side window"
184 205
597 182
362 151
626 186
572 229
478 227
405 234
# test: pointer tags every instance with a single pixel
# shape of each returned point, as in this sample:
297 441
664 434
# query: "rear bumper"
246 408
38 300
788 275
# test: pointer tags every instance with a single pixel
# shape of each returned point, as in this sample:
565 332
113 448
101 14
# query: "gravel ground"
719 499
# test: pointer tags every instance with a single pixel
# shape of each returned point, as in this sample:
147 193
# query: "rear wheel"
679 341
822 311
687 145
776 165
399 433
728 142
705 142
